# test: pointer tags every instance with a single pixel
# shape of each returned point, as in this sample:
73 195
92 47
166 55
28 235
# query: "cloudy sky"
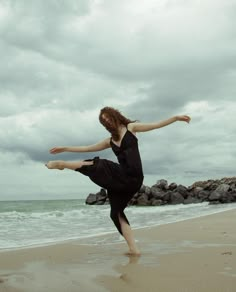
63 60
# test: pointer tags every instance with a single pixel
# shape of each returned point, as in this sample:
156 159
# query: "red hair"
116 119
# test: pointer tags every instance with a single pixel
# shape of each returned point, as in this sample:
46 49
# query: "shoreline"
197 254
114 234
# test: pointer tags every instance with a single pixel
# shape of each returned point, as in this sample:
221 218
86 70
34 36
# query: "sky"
62 61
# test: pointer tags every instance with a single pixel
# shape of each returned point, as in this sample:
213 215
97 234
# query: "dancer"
121 179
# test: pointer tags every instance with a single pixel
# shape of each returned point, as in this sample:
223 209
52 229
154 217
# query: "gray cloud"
61 61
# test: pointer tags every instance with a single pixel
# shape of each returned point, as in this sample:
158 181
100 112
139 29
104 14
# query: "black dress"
121 180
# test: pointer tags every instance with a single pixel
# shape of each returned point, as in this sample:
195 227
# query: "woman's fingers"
184 118
188 119
54 150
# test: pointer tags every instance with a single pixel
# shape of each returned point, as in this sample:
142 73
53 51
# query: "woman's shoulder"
130 127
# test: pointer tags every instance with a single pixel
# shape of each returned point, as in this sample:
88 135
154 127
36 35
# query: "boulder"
137 195
215 191
172 186
215 196
91 199
203 195
219 192
162 184
195 191
176 198
132 202
227 198
191 200
155 202
233 186
99 202
182 190
167 196
222 188
234 195
102 195
157 193
147 190
142 189
143 200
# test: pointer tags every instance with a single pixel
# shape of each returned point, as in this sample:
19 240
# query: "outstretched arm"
91 148
143 127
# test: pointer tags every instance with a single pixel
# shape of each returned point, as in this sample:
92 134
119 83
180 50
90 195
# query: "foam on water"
43 222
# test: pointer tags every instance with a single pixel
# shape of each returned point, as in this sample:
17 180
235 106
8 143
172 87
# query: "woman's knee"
113 215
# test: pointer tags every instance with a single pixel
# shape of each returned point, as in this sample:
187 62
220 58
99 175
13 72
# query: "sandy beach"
188 256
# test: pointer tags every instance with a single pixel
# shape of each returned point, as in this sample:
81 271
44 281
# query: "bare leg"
129 237
61 164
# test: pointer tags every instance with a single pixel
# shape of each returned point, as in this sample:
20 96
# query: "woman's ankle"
58 164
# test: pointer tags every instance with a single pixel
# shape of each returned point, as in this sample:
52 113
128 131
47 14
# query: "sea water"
29 223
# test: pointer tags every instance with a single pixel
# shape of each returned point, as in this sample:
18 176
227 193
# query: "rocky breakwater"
213 191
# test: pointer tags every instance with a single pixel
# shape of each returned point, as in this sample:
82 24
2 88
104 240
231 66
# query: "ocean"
35 223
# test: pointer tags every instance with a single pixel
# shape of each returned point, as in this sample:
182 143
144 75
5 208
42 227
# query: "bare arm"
144 127
91 148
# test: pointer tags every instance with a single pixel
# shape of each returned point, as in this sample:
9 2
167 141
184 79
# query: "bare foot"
57 164
133 253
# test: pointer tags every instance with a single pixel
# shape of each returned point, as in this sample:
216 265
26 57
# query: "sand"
188 256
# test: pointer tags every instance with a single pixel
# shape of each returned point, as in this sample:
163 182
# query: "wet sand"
189 256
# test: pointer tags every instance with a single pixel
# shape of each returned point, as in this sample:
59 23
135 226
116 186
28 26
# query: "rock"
219 192
107 202
214 196
172 186
196 191
210 185
143 200
147 190
227 198
203 195
182 190
234 194
132 202
102 195
137 195
162 184
142 189
157 193
176 198
223 188
215 191
155 202
214 203
99 202
233 186
91 199
167 196
191 200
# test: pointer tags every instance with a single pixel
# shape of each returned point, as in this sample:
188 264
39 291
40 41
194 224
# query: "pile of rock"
213 191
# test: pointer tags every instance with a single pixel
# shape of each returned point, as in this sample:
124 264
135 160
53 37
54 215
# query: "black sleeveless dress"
121 180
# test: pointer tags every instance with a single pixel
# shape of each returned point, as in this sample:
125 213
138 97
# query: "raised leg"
61 164
129 237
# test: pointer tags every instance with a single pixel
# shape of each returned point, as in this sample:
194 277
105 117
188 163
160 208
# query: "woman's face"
106 119
107 122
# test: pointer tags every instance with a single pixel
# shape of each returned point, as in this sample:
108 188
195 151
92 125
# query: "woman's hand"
184 118
56 150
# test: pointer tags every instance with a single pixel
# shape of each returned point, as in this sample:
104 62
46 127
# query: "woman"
121 180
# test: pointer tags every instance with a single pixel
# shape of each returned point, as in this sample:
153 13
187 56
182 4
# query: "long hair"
116 119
